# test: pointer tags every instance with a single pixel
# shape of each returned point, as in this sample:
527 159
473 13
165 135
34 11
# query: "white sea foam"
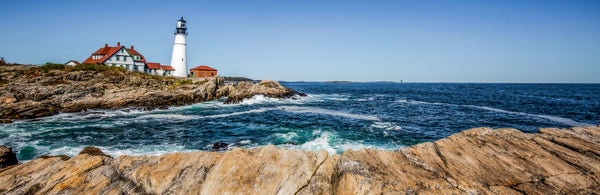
386 126
238 113
338 99
257 99
299 109
401 101
292 109
245 142
261 99
170 116
320 143
286 136
195 117
150 150
329 142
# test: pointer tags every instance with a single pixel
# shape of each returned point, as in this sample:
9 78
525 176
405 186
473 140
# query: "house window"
117 58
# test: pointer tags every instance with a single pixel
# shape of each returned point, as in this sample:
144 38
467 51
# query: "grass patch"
81 67
51 66
96 67
180 82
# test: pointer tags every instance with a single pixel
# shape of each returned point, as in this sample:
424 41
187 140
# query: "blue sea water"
333 117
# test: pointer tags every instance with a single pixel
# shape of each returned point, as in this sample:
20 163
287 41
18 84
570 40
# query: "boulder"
93 151
268 88
7 157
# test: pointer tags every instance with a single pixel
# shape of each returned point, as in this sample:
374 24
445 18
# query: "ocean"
333 116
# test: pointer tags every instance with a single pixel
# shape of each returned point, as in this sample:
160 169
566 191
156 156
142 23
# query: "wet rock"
267 88
7 157
476 161
219 146
5 121
62 157
93 151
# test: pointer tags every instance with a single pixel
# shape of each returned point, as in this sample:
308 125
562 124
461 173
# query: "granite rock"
33 93
475 161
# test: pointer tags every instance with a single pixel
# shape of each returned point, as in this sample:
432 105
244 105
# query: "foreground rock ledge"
482 161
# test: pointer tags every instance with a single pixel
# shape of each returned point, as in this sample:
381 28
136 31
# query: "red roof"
74 61
134 52
106 51
152 65
167 68
203 68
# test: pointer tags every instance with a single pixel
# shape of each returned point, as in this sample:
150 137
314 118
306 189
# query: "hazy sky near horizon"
415 41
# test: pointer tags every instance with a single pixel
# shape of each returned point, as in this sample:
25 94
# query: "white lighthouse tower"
178 58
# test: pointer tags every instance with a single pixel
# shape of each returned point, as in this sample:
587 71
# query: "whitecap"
195 117
170 116
386 126
245 142
150 150
238 113
298 109
320 143
286 136
401 101
257 99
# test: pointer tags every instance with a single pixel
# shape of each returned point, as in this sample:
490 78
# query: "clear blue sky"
417 41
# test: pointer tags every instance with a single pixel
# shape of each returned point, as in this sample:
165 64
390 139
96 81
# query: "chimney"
118 43
106 45
132 47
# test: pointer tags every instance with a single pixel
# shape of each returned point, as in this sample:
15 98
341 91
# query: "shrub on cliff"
96 67
181 82
51 66
81 67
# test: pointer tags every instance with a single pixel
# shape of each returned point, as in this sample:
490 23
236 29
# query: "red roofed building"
203 72
128 58
157 69
72 63
118 56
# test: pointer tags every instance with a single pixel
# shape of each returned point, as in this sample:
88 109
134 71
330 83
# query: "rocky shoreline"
28 92
476 161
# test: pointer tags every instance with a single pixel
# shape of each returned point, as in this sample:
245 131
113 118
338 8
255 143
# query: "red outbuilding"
203 72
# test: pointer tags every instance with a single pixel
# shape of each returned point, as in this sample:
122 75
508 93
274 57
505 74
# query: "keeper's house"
127 58
203 72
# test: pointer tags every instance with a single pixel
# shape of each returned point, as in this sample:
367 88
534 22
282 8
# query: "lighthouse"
179 58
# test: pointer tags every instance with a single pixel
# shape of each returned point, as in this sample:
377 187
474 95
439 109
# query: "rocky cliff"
28 92
476 161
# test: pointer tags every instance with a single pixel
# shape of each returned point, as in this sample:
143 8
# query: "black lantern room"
181 27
